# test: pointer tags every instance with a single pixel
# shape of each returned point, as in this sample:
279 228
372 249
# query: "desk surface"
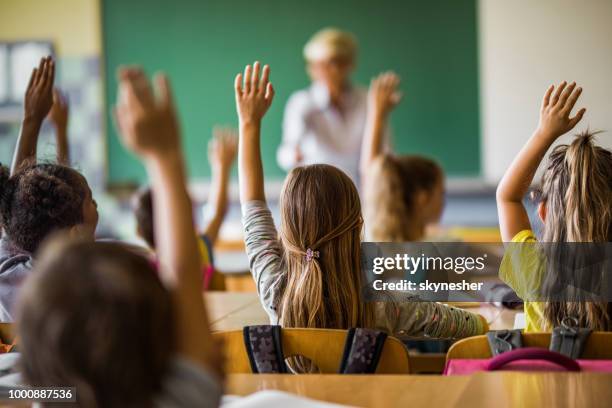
503 389
230 311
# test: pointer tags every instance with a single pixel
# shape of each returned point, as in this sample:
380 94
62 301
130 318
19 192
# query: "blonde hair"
577 190
321 212
329 43
390 191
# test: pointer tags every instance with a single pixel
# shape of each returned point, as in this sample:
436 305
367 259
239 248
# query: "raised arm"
37 103
221 153
59 117
555 120
382 98
149 128
253 98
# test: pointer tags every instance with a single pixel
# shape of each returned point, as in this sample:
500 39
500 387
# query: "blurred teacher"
325 122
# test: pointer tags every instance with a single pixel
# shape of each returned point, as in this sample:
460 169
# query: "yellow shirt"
522 269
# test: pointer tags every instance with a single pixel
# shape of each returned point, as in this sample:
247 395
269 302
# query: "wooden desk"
357 390
230 311
503 389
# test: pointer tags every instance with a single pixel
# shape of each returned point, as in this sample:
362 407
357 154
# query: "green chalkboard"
202 44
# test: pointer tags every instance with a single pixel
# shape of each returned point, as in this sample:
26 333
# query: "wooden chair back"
323 347
598 346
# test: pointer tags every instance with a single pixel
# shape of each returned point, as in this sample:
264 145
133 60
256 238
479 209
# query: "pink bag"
526 359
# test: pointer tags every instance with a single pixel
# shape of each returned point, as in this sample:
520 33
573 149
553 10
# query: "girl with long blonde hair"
309 273
576 206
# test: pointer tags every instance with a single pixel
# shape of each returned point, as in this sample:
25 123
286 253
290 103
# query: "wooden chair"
6 333
598 346
323 347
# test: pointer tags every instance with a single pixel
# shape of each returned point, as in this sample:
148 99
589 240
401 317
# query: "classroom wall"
525 46
74 27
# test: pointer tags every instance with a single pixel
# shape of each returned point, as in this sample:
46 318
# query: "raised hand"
59 117
39 93
253 94
556 108
59 110
384 94
223 147
147 122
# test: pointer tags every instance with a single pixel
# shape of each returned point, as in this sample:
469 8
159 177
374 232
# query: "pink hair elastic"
310 254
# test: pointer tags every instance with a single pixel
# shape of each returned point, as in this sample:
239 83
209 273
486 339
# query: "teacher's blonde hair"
331 43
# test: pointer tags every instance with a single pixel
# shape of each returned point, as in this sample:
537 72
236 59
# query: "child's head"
330 55
143 210
403 194
44 198
576 203
321 233
96 316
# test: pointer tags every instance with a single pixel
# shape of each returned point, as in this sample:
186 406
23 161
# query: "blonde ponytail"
320 234
577 190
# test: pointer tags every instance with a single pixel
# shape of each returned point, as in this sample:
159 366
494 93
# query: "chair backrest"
598 346
323 347
6 333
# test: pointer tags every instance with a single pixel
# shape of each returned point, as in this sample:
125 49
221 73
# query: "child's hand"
384 95
147 122
59 110
222 147
39 93
254 97
555 117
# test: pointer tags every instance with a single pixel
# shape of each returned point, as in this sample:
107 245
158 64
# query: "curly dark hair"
38 200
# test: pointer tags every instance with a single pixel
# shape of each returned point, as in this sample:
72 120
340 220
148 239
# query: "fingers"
557 94
247 79
136 87
255 79
546 99
571 100
39 71
264 79
269 93
574 121
566 93
238 84
164 90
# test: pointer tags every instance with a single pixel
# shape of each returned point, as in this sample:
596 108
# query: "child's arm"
253 98
37 103
221 153
383 97
59 118
149 128
555 120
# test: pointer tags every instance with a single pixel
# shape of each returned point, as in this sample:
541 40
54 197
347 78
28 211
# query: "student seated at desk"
97 317
39 199
575 206
308 274
221 153
404 194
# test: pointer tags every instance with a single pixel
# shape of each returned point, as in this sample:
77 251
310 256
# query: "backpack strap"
501 341
264 347
362 351
569 339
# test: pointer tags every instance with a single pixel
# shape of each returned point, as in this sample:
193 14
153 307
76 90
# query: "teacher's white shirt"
322 133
